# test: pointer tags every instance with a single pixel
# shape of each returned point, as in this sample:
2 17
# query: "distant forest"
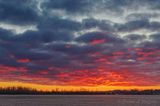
29 91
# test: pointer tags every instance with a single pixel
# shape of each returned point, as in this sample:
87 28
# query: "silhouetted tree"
29 91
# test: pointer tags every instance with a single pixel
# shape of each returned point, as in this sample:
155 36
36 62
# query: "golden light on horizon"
73 88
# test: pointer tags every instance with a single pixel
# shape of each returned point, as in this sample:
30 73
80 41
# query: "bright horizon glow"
74 88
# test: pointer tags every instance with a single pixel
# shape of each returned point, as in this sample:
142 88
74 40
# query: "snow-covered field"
79 100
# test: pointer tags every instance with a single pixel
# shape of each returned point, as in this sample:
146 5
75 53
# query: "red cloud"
97 41
23 60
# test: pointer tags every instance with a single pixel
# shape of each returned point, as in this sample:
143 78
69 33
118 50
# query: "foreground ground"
80 100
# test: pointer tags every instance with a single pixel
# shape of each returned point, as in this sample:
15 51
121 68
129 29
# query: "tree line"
30 91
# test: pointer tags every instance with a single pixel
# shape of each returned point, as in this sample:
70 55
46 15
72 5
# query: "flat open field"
79 100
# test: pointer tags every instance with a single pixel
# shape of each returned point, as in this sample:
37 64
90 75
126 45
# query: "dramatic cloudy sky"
80 42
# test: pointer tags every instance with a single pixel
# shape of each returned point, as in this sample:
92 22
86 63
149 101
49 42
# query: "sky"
77 44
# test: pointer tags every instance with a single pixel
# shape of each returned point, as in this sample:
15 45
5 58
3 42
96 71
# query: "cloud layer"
80 42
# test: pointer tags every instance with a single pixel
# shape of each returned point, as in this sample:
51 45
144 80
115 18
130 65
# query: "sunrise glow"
74 45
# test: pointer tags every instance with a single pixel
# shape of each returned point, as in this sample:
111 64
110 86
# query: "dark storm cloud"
87 5
154 4
3 52
153 44
134 4
156 36
93 23
108 37
134 37
32 55
71 6
155 40
10 62
72 49
55 23
43 36
5 34
141 16
138 24
5 58
133 25
33 68
19 12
